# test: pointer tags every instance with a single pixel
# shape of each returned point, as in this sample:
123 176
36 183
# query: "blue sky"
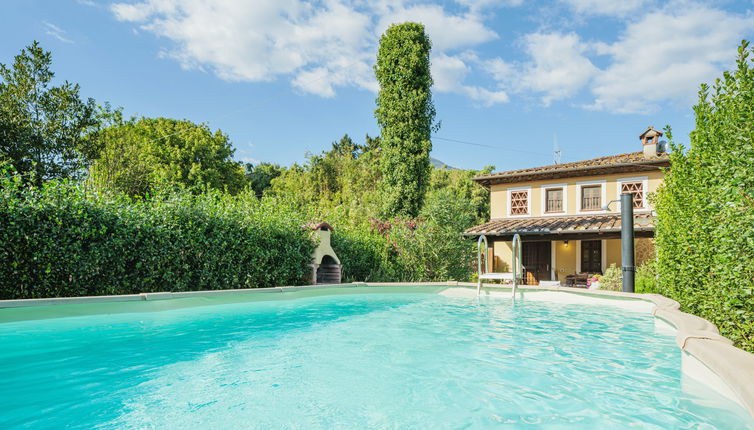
287 77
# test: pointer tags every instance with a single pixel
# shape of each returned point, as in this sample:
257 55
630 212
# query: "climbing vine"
405 113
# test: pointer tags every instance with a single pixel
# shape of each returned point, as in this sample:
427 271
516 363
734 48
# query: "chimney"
650 141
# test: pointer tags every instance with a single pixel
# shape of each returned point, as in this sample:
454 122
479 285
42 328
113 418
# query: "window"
554 200
638 189
591 198
591 256
520 202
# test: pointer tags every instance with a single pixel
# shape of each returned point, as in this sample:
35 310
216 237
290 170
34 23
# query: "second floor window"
554 200
519 202
591 198
638 189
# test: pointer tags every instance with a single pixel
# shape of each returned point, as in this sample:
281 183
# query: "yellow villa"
559 212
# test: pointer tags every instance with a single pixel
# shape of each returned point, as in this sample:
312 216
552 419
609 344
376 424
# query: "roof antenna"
555 149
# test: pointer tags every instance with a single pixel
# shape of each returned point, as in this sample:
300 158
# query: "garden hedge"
60 240
705 208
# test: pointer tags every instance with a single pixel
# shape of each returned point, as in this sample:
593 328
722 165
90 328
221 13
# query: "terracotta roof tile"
559 225
633 161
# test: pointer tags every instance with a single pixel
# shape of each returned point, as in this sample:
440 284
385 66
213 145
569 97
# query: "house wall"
565 259
499 193
613 253
644 250
503 256
567 256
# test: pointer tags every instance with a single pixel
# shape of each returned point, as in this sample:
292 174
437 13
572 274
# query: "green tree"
135 156
340 183
473 196
345 147
42 127
260 176
705 208
371 144
405 114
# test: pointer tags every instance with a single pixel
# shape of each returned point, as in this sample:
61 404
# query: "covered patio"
563 248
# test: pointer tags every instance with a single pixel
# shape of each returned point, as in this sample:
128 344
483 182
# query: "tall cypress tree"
405 113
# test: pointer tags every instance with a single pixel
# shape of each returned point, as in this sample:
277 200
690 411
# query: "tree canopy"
42 126
136 155
260 176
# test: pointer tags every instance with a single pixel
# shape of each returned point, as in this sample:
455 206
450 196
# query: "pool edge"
730 370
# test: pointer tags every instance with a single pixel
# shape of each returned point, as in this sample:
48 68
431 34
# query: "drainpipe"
627 240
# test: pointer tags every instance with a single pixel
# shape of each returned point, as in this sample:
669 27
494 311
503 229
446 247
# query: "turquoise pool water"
347 361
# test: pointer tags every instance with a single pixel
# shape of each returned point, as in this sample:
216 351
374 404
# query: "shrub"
705 207
646 277
611 280
60 240
366 255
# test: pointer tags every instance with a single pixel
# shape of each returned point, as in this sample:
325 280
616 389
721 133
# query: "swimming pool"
361 358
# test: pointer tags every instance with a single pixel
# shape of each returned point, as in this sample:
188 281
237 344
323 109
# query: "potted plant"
593 283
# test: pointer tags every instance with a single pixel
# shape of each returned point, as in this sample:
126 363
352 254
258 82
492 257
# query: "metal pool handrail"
479 272
516 265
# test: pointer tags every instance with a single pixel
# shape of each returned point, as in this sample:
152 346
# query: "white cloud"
446 31
449 74
559 68
56 32
475 5
660 56
605 7
501 70
665 56
319 47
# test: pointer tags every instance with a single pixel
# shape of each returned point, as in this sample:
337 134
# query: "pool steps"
516 264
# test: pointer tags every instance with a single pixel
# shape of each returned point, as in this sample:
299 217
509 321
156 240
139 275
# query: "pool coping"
730 370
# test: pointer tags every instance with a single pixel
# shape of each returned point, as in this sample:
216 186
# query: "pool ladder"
516 267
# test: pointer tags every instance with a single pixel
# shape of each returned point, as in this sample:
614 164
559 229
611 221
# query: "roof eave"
487 180
552 232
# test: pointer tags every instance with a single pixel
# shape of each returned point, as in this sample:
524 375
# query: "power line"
557 151
465 142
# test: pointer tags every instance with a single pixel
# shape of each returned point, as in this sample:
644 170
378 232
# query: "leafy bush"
341 186
60 240
705 207
646 277
366 255
136 156
611 280
64 240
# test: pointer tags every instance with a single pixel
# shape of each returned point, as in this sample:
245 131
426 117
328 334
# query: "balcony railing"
554 206
590 203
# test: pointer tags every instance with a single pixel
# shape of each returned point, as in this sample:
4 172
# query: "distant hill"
439 164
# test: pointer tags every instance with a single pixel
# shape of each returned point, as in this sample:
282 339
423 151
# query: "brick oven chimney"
650 140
